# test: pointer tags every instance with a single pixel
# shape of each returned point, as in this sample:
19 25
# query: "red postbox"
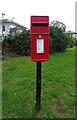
39 34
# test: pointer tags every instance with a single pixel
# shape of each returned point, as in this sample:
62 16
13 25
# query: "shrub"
58 40
18 43
75 41
71 42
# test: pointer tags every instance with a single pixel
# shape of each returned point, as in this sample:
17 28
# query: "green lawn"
58 87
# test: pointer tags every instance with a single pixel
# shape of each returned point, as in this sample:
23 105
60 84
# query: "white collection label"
40 45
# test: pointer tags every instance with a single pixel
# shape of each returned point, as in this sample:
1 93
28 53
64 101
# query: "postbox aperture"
39 35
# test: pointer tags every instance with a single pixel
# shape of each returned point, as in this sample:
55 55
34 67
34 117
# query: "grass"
0 81
0 89
58 87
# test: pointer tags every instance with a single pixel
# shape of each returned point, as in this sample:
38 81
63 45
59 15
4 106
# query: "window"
3 28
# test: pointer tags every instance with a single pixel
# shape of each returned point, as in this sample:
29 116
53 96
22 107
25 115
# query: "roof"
70 32
12 23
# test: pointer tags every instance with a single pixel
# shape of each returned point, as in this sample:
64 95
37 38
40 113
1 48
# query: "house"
6 25
71 33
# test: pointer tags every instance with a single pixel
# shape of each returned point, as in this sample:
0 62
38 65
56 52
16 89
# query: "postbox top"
40 19
39 25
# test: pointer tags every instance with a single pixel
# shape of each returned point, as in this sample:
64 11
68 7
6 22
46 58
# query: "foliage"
71 42
58 40
58 24
18 43
75 41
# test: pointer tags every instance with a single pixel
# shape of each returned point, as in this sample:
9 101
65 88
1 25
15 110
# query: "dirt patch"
56 108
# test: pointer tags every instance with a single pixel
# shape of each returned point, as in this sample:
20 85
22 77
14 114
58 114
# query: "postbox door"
40 47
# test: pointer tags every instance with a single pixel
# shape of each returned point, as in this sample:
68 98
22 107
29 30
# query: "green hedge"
58 40
71 42
18 43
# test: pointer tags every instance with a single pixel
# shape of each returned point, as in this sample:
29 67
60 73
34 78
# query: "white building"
6 25
71 33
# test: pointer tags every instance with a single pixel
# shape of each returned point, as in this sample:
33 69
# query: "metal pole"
38 85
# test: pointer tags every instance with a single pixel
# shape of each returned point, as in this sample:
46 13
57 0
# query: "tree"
58 24
58 40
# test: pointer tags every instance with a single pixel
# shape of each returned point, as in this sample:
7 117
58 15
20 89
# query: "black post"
38 85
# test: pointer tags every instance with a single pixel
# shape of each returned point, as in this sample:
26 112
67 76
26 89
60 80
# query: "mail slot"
39 35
